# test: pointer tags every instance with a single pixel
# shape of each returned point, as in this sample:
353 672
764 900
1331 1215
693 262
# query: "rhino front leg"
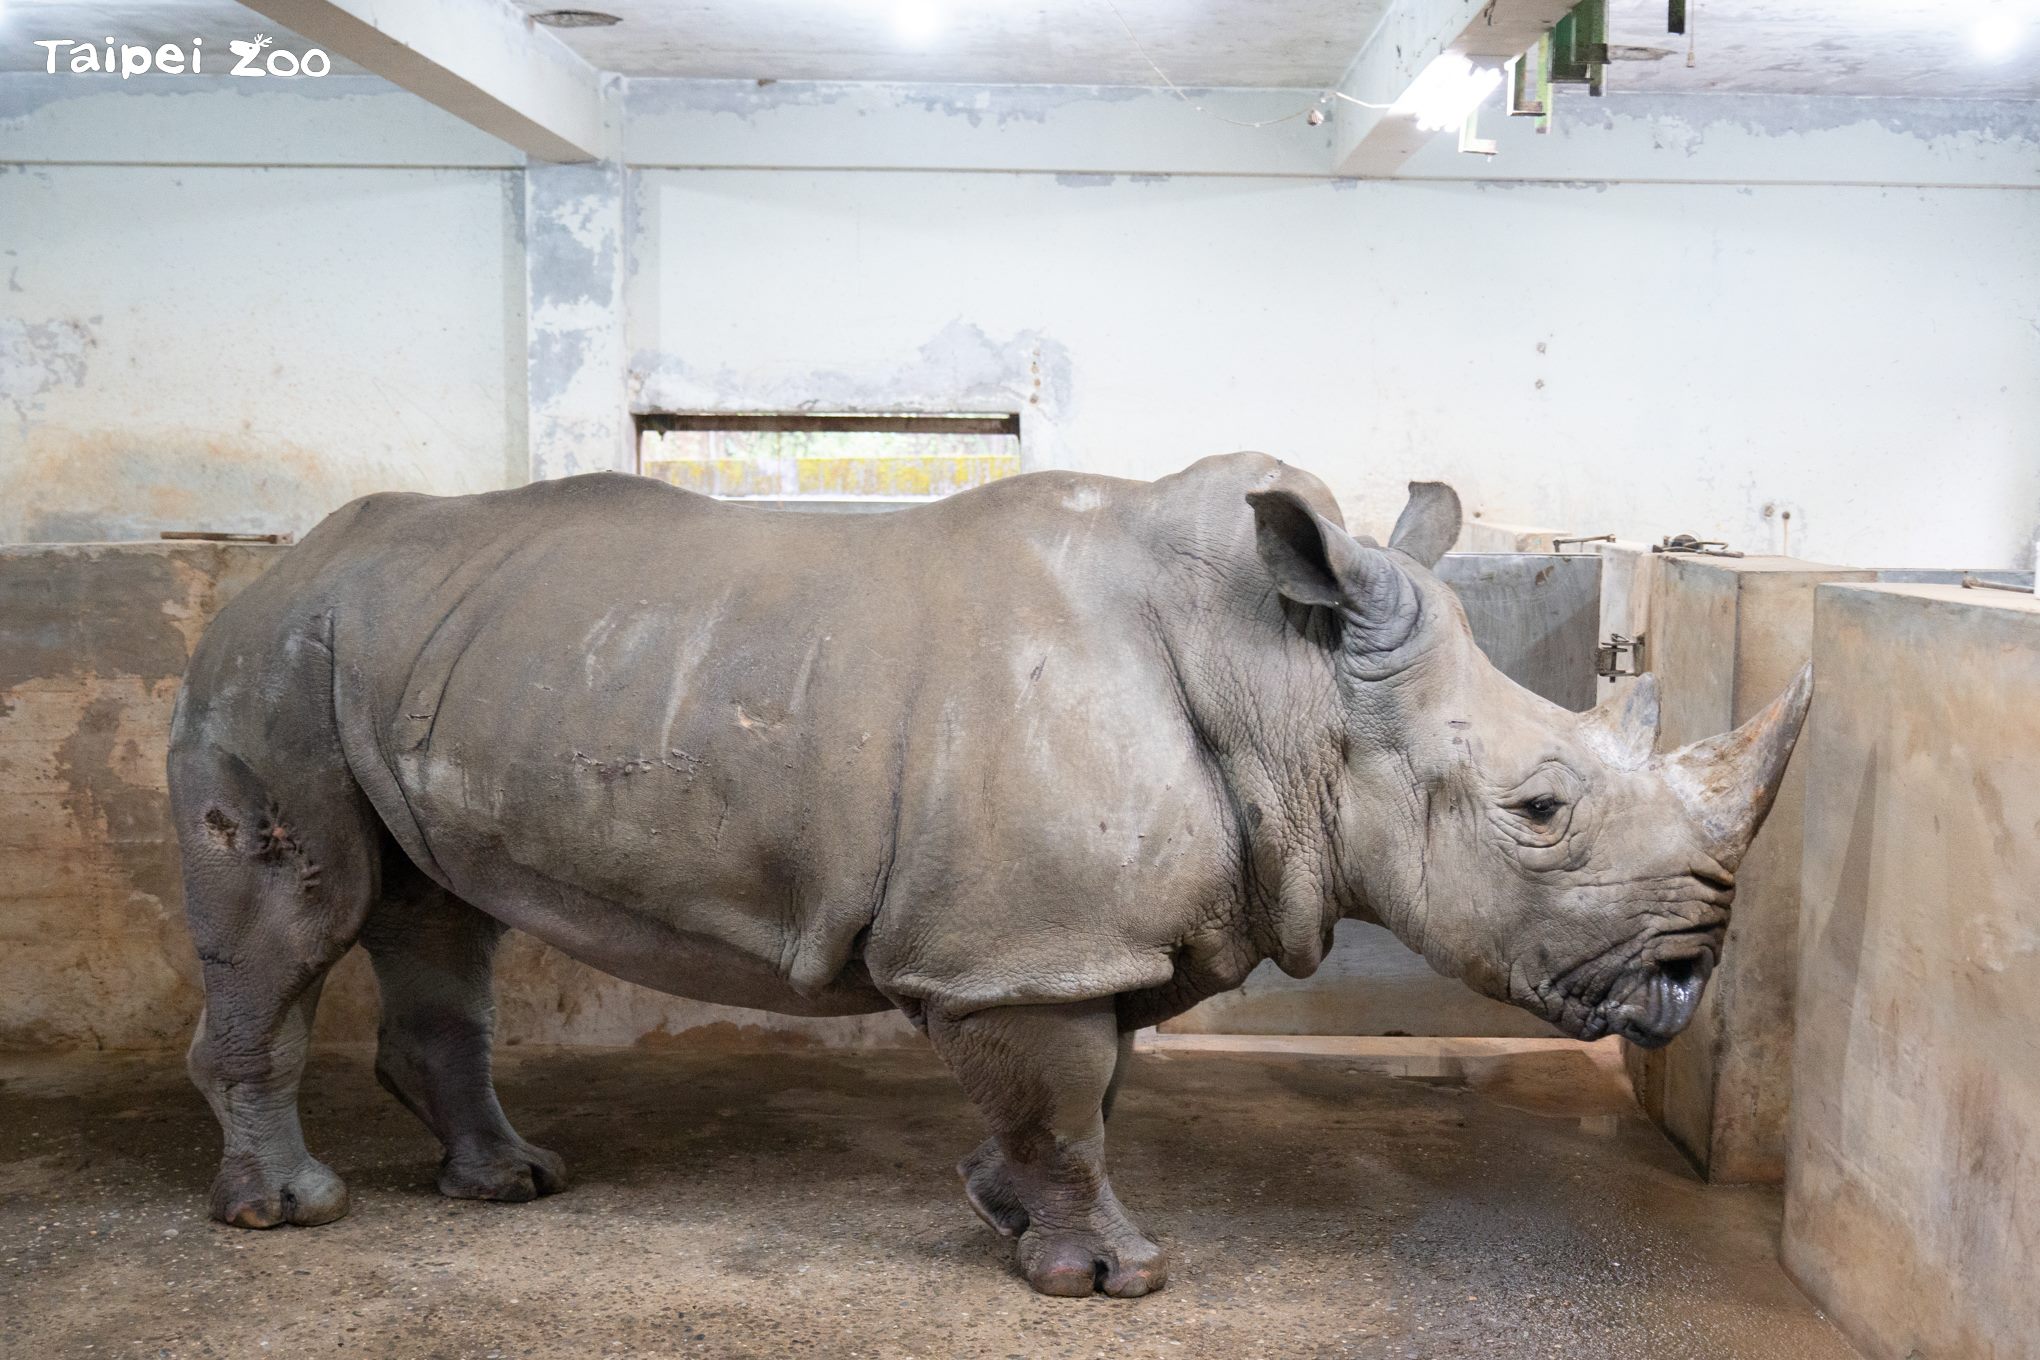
988 1183
1042 1076
434 965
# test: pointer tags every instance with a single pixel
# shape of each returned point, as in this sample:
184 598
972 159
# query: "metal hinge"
1608 657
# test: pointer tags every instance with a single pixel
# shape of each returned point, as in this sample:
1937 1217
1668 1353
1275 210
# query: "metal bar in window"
830 422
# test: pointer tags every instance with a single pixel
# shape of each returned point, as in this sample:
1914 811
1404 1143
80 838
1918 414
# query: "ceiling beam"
1418 44
483 61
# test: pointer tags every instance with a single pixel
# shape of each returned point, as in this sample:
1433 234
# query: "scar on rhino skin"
222 826
275 841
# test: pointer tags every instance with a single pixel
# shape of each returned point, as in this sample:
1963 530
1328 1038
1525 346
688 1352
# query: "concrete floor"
769 1204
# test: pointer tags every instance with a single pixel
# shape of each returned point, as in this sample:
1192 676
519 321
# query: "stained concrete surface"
802 1202
1727 635
1910 1208
94 952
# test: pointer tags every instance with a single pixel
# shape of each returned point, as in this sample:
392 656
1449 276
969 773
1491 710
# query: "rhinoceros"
1036 765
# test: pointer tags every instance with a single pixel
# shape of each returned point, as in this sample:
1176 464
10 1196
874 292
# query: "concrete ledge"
1912 1209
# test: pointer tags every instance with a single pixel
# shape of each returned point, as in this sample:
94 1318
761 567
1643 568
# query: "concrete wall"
93 948
247 349
1727 635
251 305
1713 360
1910 1214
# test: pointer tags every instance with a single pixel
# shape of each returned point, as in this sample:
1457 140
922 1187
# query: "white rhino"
1037 765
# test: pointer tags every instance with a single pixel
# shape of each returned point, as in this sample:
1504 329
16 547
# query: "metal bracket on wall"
1608 657
1579 47
1558 544
220 536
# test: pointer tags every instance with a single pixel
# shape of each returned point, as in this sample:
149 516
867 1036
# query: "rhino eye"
1540 809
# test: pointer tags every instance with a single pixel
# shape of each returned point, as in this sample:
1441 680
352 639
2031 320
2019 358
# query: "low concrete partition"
1912 1209
94 953
1492 536
1727 635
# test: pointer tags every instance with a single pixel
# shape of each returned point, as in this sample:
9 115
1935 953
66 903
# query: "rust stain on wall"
94 951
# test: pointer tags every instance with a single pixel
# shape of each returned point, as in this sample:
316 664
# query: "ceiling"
1864 47
1027 42
1856 47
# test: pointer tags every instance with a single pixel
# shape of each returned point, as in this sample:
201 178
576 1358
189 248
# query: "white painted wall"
246 307
247 349
1637 358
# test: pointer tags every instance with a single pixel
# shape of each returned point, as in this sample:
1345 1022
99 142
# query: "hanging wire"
1177 90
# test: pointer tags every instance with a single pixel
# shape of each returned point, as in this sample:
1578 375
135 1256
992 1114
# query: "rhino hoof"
1073 1265
249 1197
509 1175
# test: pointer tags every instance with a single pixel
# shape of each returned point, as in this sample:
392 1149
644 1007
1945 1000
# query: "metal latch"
1970 582
1687 543
1608 657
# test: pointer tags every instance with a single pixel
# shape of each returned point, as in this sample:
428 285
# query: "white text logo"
134 59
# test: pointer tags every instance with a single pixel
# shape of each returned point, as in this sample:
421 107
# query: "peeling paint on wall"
574 243
162 366
747 99
1684 116
38 355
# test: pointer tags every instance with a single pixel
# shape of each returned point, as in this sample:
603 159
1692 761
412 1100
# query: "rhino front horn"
1728 782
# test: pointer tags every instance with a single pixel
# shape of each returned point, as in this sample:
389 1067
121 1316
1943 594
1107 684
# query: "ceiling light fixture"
1449 88
917 21
1997 32
575 18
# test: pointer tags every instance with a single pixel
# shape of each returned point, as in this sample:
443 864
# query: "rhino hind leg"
433 956
277 884
1041 1076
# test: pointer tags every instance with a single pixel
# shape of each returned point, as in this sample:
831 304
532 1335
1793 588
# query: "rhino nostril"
1680 972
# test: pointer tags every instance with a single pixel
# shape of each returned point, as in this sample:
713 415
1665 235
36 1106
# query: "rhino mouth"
1647 991
1657 998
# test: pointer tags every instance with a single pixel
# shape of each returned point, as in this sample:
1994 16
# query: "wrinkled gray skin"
1037 765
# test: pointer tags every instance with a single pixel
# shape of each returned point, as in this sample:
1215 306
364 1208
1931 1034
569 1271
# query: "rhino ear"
1303 549
1314 561
1429 524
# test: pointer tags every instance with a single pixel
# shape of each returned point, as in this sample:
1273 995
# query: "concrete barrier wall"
1726 636
93 948
1912 1210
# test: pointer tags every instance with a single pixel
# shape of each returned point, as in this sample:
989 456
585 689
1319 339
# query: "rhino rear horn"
1727 782
1429 524
1624 726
